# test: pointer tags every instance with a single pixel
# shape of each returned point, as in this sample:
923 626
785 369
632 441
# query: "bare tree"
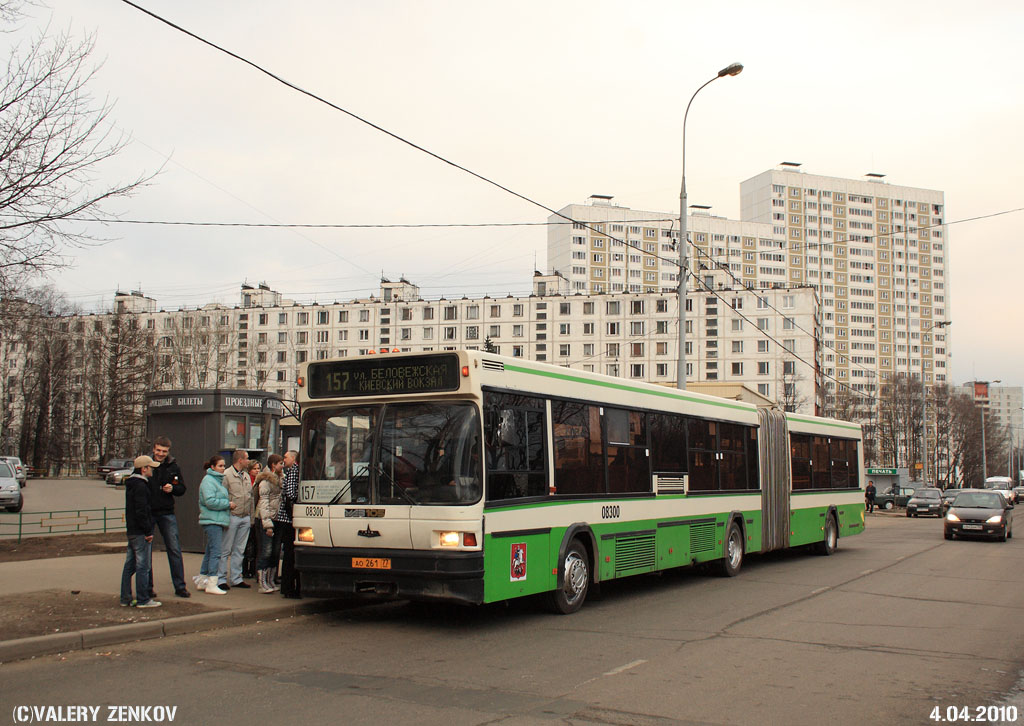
790 398
54 139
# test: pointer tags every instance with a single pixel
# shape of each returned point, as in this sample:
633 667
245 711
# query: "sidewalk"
102 574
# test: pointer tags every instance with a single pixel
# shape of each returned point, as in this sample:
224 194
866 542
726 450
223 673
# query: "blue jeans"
137 563
168 526
265 559
233 548
214 542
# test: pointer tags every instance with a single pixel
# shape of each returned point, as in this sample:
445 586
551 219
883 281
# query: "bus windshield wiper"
394 486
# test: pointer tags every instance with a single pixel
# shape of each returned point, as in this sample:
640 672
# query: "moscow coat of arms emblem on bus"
518 561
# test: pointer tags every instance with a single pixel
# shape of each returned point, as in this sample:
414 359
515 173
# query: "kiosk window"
234 432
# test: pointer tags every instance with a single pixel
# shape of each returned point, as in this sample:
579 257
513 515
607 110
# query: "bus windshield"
402 453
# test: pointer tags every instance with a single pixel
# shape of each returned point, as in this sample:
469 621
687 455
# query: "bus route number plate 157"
371 563
319 492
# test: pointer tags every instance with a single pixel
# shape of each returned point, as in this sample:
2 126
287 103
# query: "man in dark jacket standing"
138 518
166 484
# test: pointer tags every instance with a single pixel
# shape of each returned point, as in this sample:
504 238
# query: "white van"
1003 485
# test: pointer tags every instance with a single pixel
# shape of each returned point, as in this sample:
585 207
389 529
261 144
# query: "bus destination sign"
384 376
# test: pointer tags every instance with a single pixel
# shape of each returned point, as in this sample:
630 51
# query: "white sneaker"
150 604
200 581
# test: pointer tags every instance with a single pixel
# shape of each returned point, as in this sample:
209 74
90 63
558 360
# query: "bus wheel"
568 597
730 565
830 543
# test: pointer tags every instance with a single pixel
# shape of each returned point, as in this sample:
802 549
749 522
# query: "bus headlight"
449 539
304 534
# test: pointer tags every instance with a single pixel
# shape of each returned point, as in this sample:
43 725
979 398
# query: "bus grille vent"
702 538
633 553
493 365
671 485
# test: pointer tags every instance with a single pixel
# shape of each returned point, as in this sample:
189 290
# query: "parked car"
894 497
117 477
1002 484
11 497
926 500
19 469
979 513
113 465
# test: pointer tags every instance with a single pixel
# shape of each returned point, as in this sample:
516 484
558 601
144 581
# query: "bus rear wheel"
830 543
568 597
730 565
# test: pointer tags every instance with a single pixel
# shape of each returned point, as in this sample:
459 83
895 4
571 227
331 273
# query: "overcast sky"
554 100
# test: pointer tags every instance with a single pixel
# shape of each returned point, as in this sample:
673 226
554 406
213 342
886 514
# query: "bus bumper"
412 575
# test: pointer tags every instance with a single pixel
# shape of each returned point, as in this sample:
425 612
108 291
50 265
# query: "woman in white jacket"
269 484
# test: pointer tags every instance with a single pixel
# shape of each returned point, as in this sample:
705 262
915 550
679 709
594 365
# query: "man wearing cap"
165 485
138 517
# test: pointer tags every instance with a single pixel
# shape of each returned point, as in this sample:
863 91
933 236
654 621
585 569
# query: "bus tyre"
729 566
568 597
830 543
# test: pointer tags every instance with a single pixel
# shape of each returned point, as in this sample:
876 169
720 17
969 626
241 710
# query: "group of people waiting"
232 499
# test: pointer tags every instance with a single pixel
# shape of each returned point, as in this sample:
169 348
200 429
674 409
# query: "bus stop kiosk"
202 423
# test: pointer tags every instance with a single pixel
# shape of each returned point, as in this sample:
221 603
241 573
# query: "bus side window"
514 444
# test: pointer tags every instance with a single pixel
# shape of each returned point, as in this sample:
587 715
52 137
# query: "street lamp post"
730 70
924 405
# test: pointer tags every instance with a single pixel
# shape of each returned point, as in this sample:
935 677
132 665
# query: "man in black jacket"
138 518
166 484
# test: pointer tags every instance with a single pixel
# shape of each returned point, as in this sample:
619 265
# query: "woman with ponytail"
214 518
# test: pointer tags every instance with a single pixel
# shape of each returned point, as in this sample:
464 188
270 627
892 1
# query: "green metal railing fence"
70 521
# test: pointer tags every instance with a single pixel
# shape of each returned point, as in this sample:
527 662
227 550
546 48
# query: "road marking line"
867 572
820 590
620 669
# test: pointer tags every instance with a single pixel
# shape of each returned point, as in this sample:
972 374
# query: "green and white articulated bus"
471 477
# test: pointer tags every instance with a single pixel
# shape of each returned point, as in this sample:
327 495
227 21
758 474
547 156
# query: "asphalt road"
55 495
897 623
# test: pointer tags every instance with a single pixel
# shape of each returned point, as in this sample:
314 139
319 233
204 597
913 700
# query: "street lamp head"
731 70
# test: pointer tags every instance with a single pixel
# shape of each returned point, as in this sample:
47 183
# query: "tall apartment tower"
877 255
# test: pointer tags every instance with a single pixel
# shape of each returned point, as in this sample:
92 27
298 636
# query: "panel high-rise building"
877 255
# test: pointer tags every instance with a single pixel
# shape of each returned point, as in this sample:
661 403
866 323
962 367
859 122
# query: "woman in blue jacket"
214 518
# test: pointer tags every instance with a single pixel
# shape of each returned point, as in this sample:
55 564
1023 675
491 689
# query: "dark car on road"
894 497
926 500
979 513
1018 494
113 465
948 496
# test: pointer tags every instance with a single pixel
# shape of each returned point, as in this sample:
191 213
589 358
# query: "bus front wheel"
572 589
730 565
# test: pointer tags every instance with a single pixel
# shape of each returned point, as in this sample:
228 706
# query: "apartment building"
1004 406
613 249
877 254
766 341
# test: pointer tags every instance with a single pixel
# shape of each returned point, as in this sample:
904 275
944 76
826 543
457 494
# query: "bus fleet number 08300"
314 511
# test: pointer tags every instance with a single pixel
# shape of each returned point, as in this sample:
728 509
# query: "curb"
22 648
